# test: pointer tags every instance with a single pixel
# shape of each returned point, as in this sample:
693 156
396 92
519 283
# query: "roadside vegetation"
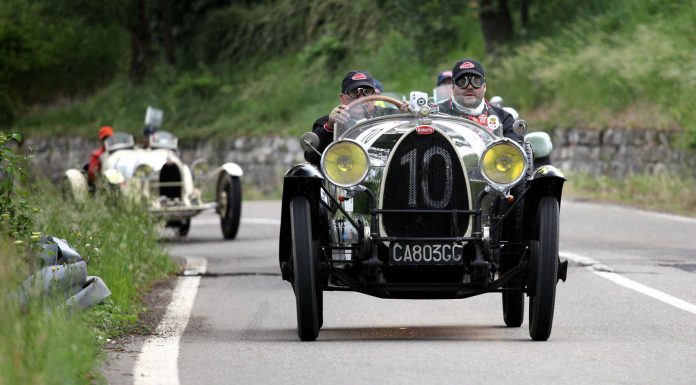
238 71
44 342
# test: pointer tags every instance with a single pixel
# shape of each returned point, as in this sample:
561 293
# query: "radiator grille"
424 173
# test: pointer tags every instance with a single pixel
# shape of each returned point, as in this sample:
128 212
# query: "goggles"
364 91
476 81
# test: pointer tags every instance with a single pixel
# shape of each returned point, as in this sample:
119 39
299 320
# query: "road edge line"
157 362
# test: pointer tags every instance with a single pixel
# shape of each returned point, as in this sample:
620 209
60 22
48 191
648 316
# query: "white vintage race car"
173 189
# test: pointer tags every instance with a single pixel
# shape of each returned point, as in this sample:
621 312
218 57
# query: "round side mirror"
309 141
519 127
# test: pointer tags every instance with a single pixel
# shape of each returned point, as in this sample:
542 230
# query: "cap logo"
466 64
359 76
425 130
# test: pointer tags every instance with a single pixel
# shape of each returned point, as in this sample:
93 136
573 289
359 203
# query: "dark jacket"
448 107
326 134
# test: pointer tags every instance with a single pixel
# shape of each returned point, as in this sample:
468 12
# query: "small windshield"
119 141
442 92
164 139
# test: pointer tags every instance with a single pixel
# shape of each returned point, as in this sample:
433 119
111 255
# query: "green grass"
43 343
663 192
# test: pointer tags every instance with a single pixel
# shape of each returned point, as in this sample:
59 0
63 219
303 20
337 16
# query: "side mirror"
541 144
309 142
520 127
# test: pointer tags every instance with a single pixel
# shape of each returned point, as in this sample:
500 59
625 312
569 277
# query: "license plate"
425 254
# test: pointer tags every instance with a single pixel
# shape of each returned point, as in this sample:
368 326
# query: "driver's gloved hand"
339 115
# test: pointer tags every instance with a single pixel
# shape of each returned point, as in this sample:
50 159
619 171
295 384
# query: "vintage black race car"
424 205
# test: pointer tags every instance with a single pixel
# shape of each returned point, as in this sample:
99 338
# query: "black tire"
544 270
184 227
513 231
229 200
305 270
513 309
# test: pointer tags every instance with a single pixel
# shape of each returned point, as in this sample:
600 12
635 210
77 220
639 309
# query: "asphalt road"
242 325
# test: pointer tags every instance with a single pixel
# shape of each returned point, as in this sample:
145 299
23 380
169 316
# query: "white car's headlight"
113 176
345 163
503 164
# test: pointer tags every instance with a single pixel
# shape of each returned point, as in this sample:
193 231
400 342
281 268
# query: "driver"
356 85
94 165
468 91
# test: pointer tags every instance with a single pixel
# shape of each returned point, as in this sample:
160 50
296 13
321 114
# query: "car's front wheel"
544 270
308 293
229 199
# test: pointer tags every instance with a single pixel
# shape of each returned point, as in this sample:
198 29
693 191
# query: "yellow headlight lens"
503 163
345 163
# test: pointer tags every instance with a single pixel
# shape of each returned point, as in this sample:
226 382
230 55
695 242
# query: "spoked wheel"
544 270
229 199
308 292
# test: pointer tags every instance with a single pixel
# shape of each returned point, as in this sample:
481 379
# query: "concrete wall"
614 152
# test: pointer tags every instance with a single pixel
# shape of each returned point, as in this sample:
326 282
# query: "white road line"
606 272
158 360
253 221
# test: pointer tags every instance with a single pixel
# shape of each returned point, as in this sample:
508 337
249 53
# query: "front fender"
545 181
301 180
232 169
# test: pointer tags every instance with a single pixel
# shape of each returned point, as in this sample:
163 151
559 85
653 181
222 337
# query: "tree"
496 23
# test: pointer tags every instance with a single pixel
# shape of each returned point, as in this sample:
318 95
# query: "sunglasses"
356 92
475 81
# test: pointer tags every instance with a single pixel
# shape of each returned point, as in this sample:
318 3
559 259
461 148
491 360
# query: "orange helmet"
105 132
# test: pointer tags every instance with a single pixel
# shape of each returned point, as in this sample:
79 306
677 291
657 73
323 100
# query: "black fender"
545 181
300 180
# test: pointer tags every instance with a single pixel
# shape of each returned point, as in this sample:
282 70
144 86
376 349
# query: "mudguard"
545 181
301 180
230 168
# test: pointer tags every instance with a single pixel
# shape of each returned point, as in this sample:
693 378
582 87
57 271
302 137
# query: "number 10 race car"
423 205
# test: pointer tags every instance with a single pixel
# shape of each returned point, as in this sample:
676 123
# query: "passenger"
468 99
355 85
443 87
94 166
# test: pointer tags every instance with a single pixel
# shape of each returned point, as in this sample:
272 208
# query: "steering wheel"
399 104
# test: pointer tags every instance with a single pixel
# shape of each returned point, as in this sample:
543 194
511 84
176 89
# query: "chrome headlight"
503 164
345 163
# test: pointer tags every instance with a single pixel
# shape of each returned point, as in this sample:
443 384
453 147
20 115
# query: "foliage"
662 192
43 342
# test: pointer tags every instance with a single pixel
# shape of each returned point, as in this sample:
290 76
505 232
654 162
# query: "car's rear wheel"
308 291
229 200
184 227
544 270
513 309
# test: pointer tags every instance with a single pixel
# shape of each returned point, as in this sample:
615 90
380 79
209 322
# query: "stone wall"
613 152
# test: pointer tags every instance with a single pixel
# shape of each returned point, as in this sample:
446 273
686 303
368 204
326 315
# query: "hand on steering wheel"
339 115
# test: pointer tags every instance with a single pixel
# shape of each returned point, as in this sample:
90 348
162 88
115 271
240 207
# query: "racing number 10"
411 159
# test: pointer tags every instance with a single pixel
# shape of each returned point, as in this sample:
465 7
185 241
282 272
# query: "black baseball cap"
355 79
444 75
467 66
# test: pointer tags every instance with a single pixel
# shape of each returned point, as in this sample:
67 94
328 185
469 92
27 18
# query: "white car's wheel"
229 198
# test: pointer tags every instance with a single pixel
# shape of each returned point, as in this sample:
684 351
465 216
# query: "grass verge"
42 341
667 193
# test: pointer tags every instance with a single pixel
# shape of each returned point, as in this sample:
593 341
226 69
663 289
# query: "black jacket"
447 107
326 134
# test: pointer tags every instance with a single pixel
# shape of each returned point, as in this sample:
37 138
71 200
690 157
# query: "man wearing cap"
356 84
94 165
443 87
468 91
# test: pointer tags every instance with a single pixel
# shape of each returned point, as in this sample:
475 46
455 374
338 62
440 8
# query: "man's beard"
461 100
